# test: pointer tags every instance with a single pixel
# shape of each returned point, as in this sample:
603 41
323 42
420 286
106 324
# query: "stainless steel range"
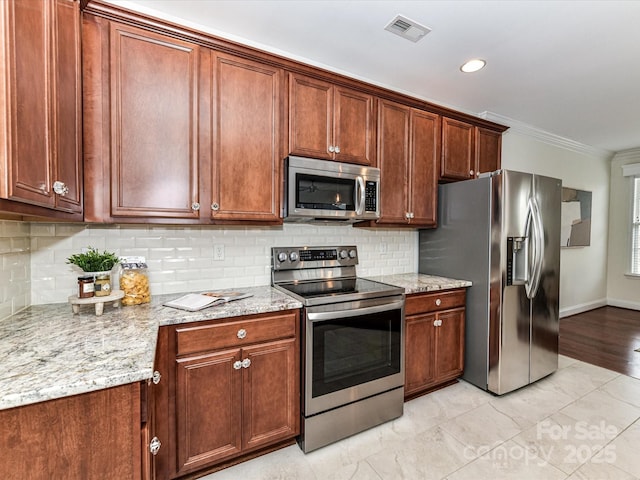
353 342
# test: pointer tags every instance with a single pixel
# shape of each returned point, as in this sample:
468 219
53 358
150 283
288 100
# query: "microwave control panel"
371 196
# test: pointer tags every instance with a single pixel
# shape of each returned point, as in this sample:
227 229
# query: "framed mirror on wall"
576 218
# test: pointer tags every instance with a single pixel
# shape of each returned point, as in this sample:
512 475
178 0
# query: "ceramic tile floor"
582 422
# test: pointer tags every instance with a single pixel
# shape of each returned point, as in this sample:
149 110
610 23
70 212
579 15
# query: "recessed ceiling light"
473 65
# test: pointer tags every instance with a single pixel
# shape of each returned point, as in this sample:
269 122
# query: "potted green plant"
92 261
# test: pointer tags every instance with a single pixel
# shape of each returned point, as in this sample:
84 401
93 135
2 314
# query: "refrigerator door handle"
537 242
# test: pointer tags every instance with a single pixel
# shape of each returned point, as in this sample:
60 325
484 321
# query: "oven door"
352 351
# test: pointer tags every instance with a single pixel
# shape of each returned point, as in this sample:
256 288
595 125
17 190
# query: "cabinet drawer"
247 330
429 302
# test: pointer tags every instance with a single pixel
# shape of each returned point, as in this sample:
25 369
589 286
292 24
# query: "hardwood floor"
607 337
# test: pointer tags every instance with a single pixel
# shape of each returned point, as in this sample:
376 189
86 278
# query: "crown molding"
628 155
547 137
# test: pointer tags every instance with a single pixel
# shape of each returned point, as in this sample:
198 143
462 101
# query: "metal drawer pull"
437 323
242 333
246 363
156 377
237 365
438 301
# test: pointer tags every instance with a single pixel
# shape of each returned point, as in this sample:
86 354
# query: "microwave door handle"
360 195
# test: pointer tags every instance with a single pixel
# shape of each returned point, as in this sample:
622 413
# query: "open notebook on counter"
197 301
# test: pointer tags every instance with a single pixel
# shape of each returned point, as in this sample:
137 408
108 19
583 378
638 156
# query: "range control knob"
293 256
352 254
343 254
282 256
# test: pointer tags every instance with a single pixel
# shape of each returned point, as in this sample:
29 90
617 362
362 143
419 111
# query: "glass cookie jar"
134 281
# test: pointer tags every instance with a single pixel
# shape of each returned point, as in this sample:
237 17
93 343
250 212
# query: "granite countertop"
418 282
48 352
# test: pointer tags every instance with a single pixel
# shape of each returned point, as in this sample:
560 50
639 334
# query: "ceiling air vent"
407 28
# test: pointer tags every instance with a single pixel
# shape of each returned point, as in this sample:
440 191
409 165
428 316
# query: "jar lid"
103 276
88 277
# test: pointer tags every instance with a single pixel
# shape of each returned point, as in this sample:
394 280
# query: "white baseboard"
583 307
623 304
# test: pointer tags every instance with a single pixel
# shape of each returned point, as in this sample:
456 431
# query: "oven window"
325 193
355 350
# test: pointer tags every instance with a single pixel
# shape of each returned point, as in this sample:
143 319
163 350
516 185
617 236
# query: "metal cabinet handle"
337 149
156 377
471 172
215 206
437 323
154 446
331 149
246 363
438 302
237 365
407 215
195 206
60 188
242 333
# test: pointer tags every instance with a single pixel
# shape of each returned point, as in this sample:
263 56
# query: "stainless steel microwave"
319 190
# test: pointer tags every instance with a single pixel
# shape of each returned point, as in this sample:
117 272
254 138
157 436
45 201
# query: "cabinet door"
208 409
310 117
449 354
154 118
271 393
26 34
68 105
246 139
488 150
354 127
458 157
425 152
93 436
393 161
419 352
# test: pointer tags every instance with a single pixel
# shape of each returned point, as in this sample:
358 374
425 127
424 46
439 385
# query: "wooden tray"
99 302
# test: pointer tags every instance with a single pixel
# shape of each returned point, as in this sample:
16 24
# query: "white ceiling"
570 68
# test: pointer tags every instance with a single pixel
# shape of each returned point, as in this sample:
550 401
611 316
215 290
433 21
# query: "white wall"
583 270
622 291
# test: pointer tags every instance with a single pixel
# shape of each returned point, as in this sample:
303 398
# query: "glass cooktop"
338 290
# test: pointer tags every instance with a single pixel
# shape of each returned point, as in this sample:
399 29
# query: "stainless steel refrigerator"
502 232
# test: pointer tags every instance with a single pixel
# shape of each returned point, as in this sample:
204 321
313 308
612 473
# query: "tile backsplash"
182 258
15 267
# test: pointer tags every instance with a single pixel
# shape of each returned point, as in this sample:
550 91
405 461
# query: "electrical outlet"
218 252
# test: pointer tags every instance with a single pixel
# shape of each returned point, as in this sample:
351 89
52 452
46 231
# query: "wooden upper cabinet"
393 161
330 122
408 152
468 151
488 150
424 155
154 125
40 136
458 143
246 136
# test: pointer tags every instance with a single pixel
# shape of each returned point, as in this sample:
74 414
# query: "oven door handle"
355 312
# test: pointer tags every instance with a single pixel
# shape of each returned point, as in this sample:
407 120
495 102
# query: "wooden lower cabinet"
231 388
92 436
434 340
